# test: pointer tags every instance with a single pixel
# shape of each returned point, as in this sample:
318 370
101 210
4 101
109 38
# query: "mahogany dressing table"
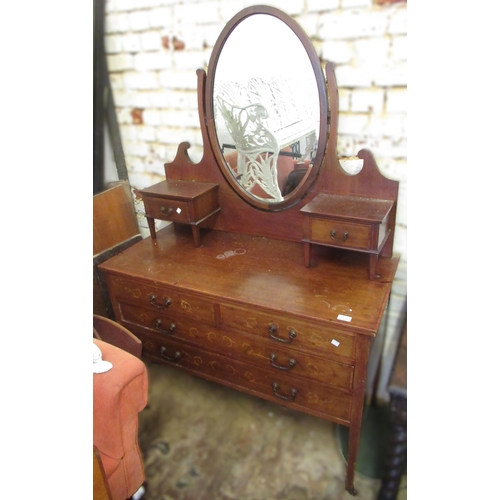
233 301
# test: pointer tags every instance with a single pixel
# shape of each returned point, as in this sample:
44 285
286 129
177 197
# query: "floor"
202 441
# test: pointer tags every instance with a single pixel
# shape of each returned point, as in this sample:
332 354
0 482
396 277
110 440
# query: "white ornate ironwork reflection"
262 118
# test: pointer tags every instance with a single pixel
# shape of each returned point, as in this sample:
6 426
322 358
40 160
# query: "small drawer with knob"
168 210
340 233
184 202
350 222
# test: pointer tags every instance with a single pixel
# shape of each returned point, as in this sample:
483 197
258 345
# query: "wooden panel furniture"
254 320
115 228
239 307
114 219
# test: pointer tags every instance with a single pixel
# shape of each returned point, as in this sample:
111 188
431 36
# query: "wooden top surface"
179 189
349 207
264 272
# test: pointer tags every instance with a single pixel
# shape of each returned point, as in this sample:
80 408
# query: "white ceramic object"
351 164
100 366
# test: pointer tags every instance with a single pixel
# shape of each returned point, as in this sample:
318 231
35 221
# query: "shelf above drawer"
349 208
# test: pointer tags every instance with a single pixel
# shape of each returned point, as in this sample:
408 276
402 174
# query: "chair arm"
113 333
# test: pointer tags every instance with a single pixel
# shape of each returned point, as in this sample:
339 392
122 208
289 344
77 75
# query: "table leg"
196 235
352 453
307 253
373 266
359 384
152 229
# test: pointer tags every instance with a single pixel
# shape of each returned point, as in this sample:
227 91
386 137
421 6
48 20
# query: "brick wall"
154 48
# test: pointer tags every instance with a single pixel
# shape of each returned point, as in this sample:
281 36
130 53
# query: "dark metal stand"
395 457
104 106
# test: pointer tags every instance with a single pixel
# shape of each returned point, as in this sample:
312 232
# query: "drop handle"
333 233
163 353
291 363
291 397
167 302
167 212
292 334
171 328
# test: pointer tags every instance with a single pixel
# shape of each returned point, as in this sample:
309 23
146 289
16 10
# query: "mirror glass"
268 99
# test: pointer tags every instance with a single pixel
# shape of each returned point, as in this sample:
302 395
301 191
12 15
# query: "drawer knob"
291 363
163 353
166 303
171 328
291 397
167 212
273 329
345 235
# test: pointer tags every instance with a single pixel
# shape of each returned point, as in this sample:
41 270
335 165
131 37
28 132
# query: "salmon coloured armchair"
119 395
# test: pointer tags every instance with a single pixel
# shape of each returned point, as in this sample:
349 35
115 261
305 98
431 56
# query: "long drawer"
264 353
276 386
162 299
282 329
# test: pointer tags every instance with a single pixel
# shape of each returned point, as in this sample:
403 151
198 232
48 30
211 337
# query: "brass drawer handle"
291 363
166 212
152 301
291 397
170 330
163 353
273 329
345 235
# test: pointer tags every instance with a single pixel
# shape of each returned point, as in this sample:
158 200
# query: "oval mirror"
266 108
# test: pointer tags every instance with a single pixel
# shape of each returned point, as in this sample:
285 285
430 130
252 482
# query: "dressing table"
248 298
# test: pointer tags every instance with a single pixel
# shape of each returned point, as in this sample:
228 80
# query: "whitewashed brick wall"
154 48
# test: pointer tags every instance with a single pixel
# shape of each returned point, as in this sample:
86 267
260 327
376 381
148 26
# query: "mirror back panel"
249 210
266 108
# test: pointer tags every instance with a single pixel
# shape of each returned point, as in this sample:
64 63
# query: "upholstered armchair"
119 395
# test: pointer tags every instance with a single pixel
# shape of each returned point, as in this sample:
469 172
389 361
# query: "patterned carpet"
201 441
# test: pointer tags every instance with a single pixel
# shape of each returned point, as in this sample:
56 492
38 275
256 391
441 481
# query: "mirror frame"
302 189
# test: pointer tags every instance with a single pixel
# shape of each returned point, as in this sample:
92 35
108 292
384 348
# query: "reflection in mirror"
351 165
266 107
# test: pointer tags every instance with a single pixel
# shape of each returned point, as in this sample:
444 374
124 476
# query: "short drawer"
279 330
167 323
165 209
286 389
161 299
334 232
